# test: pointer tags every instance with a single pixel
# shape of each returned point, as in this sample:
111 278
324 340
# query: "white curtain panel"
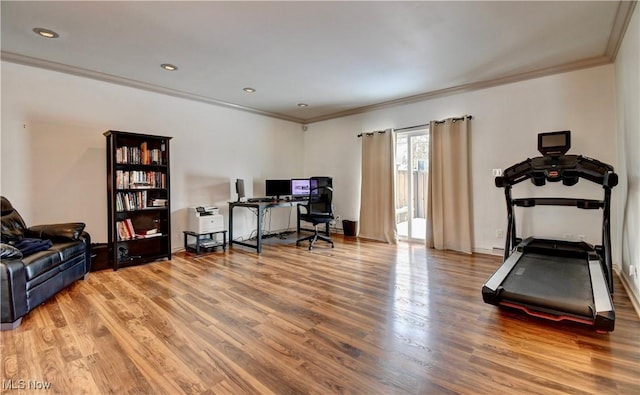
377 202
449 202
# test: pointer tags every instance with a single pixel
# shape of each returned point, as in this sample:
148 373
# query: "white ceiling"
338 57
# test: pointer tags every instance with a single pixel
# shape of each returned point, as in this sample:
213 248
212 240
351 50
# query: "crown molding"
80 72
620 24
581 64
473 86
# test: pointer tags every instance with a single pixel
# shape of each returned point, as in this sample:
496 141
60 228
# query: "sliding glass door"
412 159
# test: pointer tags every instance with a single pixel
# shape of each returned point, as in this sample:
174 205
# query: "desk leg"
224 241
259 230
231 206
298 218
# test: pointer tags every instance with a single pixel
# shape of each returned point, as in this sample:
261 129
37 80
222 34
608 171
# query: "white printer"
205 219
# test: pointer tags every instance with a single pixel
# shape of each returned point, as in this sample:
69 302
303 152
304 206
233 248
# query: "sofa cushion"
41 262
70 249
56 232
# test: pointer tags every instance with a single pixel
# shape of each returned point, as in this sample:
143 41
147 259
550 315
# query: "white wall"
506 121
54 160
628 98
53 151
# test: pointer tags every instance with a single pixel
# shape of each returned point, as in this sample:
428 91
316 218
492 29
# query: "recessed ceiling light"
46 33
169 67
248 90
303 105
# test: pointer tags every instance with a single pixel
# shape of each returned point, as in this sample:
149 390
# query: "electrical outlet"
499 233
632 271
497 172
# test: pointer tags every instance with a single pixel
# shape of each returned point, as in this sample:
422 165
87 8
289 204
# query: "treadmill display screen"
554 143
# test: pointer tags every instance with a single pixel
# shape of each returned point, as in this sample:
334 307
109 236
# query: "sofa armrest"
13 290
86 238
7 251
56 232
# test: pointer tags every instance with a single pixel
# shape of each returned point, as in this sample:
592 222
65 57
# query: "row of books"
127 232
141 155
140 179
128 201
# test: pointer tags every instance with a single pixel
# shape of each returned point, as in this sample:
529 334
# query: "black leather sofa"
27 280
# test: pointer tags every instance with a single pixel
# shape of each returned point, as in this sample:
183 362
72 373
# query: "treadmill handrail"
587 204
566 168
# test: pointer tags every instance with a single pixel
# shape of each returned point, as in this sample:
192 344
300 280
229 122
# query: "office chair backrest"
322 181
320 196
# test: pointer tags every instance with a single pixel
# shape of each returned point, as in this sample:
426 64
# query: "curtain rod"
416 126
426 124
411 127
372 133
455 119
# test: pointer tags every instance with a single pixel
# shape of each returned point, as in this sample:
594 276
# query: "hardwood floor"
362 318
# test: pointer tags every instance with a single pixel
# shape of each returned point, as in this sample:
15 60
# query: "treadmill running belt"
553 283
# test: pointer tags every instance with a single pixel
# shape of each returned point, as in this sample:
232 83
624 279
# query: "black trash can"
349 227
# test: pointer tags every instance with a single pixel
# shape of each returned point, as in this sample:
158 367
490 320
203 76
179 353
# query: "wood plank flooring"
362 318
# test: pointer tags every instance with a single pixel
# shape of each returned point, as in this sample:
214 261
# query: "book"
129 227
125 229
148 236
122 235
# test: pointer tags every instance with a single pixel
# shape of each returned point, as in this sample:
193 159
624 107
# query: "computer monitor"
277 188
300 187
240 189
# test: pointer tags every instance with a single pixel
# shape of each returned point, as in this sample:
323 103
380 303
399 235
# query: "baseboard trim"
635 302
493 251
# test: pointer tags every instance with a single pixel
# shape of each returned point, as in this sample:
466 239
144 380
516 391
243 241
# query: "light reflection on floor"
408 328
418 228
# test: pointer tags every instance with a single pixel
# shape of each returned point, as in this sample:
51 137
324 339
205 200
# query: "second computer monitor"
301 187
277 188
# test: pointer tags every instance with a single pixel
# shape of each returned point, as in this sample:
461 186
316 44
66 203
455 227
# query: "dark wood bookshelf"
138 197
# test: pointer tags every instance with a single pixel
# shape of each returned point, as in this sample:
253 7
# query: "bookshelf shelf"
138 195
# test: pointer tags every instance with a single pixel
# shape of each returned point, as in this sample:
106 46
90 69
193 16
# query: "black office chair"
318 209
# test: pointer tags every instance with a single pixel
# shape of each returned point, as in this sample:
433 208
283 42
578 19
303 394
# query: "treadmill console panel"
566 168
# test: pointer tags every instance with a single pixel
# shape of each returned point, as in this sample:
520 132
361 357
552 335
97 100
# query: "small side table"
206 243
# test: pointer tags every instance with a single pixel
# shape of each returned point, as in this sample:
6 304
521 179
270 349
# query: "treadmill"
556 279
